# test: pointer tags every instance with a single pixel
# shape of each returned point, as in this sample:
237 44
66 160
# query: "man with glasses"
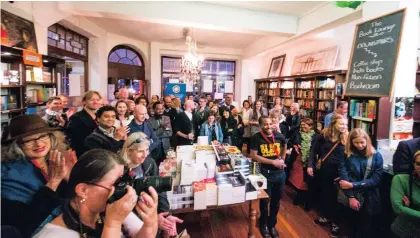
106 136
201 114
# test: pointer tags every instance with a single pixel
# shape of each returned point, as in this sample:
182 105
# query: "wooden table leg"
252 220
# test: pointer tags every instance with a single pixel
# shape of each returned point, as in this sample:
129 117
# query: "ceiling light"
191 63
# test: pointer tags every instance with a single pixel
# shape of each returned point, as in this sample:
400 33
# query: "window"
125 55
221 73
66 39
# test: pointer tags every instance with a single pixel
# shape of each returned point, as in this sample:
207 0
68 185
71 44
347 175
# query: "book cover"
3 102
11 102
371 109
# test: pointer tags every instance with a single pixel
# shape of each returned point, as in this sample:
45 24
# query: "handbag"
359 195
319 162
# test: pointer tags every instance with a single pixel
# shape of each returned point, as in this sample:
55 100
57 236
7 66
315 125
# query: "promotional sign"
32 58
179 90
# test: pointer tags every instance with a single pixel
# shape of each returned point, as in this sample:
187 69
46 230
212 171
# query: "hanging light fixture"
191 63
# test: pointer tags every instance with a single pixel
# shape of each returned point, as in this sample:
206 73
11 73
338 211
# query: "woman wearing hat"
34 163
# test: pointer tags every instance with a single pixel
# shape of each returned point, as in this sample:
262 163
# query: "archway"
126 69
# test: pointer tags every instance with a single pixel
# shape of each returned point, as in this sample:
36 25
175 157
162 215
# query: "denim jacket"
205 131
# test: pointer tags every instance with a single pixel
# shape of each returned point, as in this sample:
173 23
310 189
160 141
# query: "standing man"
201 114
106 136
250 101
169 111
139 124
123 95
269 149
69 111
53 115
83 123
209 98
342 108
185 124
162 127
227 106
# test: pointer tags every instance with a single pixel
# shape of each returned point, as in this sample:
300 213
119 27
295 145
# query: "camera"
160 184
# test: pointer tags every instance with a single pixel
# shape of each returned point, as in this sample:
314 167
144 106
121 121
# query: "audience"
239 126
251 103
123 95
293 120
360 177
201 114
136 156
83 123
162 128
211 128
106 136
255 115
91 184
185 124
139 124
229 128
405 199
342 108
131 105
34 168
327 151
123 117
54 115
227 106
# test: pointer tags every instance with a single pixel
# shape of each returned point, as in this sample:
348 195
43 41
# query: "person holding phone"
268 147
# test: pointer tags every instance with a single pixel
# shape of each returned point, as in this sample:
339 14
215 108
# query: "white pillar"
155 70
98 65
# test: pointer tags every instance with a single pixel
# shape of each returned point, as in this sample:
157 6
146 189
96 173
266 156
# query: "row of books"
320 116
274 92
326 94
286 101
36 74
366 126
38 95
305 84
304 94
326 105
306 103
286 84
8 102
327 83
286 92
363 108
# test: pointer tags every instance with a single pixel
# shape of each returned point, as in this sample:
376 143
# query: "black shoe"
274 233
264 232
321 221
335 231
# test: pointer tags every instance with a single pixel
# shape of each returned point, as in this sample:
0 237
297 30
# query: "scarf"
306 145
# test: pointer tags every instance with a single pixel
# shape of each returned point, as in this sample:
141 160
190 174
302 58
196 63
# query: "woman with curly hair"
34 168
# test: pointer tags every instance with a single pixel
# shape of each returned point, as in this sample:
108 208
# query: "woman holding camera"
135 152
34 168
91 183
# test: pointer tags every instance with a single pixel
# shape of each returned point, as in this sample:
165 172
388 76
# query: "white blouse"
246 114
132 224
125 122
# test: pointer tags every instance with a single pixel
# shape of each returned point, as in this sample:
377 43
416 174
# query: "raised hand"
70 159
56 169
121 133
147 208
60 120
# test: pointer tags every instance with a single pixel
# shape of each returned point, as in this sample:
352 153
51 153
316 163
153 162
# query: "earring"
82 200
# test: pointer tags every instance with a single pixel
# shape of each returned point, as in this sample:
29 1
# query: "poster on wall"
402 124
179 90
17 32
316 61
276 66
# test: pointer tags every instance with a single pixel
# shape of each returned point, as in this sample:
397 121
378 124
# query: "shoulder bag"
319 162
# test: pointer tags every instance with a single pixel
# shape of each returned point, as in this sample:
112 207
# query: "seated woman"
123 118
360 177
211 128
405 200
33 172
91 183
229 128
135 152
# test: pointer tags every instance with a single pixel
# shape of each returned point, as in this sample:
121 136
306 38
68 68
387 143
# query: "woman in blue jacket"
212 129
360 177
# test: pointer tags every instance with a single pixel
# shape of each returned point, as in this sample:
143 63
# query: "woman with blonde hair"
360 177
34 165
136 153
326 154
176 104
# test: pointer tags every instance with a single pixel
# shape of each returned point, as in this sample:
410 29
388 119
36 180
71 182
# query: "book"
11 102
3 102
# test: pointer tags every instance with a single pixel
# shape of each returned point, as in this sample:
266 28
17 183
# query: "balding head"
140 112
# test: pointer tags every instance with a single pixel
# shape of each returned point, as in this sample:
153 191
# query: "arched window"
125 55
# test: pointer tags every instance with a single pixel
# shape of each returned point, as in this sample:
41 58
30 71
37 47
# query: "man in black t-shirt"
269 148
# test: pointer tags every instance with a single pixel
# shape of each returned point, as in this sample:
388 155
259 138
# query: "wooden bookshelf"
363 113
305 95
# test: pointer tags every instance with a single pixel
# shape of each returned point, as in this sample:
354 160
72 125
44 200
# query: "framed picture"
316 61
17 32
276 66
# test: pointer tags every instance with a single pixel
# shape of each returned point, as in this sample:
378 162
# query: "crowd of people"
48 188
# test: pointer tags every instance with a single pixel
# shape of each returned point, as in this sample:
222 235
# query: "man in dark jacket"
162 127
227 106
139 124
169 111
185 124
402 160
201 114
106 136
83 123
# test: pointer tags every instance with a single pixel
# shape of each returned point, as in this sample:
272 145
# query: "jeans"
275 185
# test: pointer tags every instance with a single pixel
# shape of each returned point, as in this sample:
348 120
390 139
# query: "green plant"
348 4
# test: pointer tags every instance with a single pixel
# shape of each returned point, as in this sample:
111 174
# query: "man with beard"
269 149
169 111
162 127
83 123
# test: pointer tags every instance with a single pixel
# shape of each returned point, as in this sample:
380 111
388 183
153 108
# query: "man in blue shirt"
342 108
139 124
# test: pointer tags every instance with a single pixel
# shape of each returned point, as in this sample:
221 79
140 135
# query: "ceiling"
147 31
297 8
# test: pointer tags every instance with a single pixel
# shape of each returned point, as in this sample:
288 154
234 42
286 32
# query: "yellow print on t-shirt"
267 150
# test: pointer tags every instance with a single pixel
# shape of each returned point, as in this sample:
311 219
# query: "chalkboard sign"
374 55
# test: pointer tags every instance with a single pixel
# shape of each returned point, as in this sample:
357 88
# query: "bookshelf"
266 91
363 113
325 90
286 93
25 88
305 95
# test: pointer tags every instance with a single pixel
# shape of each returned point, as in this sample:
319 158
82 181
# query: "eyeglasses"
101 186
31 142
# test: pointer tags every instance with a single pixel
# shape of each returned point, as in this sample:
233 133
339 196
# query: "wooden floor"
293 221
